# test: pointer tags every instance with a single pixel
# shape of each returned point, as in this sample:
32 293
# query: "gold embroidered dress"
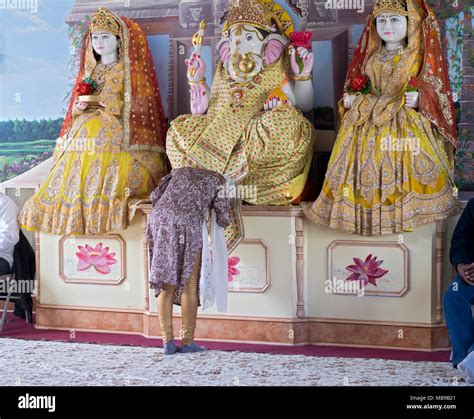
391 168
97 168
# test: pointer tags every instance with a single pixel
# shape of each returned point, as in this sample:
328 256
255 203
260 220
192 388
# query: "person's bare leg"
165 313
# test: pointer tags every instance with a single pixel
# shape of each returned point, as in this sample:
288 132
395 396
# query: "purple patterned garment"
174 231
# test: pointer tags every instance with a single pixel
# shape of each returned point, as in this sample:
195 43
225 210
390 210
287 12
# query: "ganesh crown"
263 14
398 7
103 20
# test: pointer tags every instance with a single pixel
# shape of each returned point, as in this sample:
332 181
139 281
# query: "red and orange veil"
143 117
432 81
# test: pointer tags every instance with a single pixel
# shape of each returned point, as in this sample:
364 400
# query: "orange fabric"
436 102
145 93
144 121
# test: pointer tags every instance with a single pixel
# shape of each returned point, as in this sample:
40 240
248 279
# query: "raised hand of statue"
307 59
196 68
412 99
348 100
199 98
199 90
82 105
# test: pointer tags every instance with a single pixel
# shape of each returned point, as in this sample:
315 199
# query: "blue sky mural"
34 52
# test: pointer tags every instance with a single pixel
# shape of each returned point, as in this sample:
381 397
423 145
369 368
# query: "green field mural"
24 144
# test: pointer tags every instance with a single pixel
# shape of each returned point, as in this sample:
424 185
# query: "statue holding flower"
392 165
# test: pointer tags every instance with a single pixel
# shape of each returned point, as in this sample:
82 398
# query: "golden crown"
398 7
251 12
105 21
263 14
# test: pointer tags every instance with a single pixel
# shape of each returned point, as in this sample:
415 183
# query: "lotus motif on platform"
367 271
233 271
97 256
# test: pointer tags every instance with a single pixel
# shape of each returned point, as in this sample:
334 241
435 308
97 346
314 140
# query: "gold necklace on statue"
392 54
240 90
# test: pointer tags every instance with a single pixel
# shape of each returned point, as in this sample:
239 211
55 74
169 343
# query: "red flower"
359 83
84 88
301 39
366 271
412 85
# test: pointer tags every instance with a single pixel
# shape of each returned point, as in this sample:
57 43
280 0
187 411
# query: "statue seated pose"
392 167
249 127
111 147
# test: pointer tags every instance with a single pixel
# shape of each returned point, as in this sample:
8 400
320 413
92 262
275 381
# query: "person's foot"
191 348
467 367
169 348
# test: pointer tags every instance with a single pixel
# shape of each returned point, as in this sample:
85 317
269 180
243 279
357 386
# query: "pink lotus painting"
367 271
97 257
233 271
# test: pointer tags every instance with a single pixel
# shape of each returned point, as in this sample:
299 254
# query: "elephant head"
245 50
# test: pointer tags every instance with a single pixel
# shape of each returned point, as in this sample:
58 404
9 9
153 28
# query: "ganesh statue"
250 127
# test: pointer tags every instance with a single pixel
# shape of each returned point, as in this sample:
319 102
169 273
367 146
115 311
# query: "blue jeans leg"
458 300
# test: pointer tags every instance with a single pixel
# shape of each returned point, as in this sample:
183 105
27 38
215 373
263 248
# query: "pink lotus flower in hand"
98 257
366 271
233 271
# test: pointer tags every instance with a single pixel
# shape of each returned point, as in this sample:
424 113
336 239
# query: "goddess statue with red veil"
392 164
111 146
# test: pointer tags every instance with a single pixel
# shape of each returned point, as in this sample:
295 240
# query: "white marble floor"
42 363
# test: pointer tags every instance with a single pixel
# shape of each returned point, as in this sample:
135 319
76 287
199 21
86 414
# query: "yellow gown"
389 171
92 178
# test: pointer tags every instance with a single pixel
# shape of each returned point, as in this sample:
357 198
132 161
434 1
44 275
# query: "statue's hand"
306 57
199 98
273 102
82 105
412 99
348 100
196 68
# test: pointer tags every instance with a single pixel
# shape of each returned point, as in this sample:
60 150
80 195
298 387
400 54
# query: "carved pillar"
439 263
37 262
299 242
172 113
146 263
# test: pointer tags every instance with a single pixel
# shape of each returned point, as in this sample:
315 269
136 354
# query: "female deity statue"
391 168
249 127
111 146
